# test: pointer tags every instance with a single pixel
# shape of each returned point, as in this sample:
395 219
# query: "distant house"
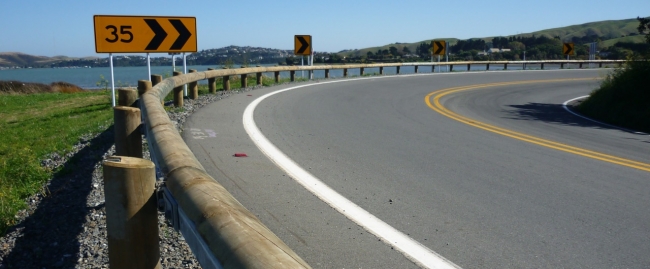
495 50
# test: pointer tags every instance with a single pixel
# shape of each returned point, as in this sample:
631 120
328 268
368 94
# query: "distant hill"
8 59
611 32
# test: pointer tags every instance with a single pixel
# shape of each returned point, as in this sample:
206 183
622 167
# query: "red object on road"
249 95
240 155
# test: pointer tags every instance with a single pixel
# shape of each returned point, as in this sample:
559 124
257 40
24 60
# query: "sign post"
567 49
302 46
143 34
439 47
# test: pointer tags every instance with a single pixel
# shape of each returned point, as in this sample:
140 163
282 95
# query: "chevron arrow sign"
137 34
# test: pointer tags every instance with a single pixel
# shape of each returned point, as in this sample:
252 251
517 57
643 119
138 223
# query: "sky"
65 27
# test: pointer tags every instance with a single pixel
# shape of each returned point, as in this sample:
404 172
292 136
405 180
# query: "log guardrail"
220 231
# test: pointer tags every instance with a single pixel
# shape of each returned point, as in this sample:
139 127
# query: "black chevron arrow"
159 36
441 47
568 49
184 34
303 45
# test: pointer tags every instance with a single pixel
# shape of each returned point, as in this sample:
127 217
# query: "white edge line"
413 250
590 119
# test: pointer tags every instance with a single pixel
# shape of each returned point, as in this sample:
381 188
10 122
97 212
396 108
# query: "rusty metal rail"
220 231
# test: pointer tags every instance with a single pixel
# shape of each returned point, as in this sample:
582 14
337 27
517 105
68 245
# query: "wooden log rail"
233 234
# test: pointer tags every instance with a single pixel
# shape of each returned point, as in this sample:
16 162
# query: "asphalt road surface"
490 177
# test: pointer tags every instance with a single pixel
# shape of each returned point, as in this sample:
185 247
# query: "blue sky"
65 27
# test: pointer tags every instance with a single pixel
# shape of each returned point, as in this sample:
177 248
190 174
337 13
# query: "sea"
92 78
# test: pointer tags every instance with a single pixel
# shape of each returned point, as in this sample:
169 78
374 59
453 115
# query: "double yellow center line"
433 101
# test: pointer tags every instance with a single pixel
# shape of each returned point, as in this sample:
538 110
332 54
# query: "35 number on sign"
124 30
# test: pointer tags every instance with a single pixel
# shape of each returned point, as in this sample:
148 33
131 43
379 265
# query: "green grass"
623 98
34 125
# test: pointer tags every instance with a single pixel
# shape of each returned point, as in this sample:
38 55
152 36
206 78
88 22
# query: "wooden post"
128 138
345 72
226 82
397 71
451 67
600 65
128 97
580 66
212 83
178 92
292 75
244 81
327 73
131 213
468 67
542 66
487 67
155 79
381 70
258 76
505 66
194 87
361 71
561 65
277 76
416 69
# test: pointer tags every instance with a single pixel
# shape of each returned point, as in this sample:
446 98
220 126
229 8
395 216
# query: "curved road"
492 177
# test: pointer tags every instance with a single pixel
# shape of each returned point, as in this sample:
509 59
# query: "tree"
393 50
644 25
406 50
370 54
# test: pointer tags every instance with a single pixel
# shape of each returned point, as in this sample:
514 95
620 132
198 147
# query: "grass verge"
35 125
623 98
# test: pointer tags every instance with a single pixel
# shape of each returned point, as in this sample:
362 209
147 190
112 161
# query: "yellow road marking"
436 106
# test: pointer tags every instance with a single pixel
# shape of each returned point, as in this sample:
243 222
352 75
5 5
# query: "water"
129 76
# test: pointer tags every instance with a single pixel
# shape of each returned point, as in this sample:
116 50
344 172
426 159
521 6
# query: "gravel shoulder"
65 224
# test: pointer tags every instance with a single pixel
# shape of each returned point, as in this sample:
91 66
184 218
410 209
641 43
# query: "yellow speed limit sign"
137 34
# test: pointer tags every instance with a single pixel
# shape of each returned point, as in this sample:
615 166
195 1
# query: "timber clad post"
416 69
155 79
277 76
128 137
562 66
212 83
451 67
327 73
487 67
580 66
258 76
127 97
542 66
292 75
345 72
361 71
131 213
468 65
397 71
194 87
381 70
244 80
226 82
178 92
505 66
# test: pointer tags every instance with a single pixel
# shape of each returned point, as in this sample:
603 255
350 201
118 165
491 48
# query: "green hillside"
611 32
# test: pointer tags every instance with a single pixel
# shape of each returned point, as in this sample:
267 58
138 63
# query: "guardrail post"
398 68
580 66
178 92
451 67
561 65
155 79
416 69
542 66
361 71
468 67
505 66
381 70
194 87
127 97
277 76
327 73
292 75
487 67
131 213
212 83
600 65
345 72
244 81
128 137
258 76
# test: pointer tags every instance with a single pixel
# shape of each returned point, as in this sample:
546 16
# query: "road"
493 191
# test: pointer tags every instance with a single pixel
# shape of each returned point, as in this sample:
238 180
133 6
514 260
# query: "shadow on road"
49 236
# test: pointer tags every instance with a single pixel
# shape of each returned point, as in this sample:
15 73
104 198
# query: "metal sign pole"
302 63
110 59
184 72
173 64
446 57
149 65
438 63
